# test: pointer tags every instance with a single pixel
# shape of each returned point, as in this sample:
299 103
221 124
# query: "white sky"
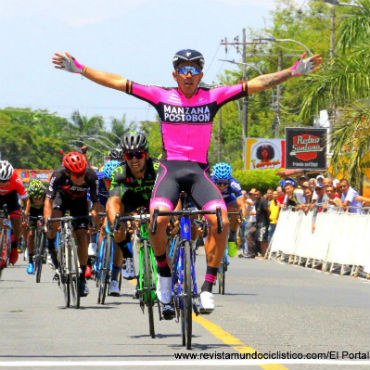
136 39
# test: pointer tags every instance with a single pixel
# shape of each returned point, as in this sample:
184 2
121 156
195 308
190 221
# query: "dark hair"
270 150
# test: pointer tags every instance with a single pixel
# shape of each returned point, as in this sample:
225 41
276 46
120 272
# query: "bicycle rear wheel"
148 287
74 277
187 325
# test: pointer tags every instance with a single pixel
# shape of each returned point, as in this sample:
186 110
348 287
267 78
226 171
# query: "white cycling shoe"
164 296
164 289
93 249
114 288
207 303
128 269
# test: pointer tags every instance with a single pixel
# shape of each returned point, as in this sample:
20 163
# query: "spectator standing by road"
281 194
262 222
274 214
249 247
322 199
333 200
349 196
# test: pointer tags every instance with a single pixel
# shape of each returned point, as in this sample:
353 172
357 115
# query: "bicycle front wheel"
148 287
74 270
187 324
63 274
104 276
39 246
221 277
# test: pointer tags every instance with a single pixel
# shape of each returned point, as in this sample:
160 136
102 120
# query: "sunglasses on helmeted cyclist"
131 155
222 183
77 175
186 69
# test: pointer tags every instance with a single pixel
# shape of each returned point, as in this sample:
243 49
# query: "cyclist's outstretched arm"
302 67
68 63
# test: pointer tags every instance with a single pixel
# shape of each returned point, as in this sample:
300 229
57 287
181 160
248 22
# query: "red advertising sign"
305 148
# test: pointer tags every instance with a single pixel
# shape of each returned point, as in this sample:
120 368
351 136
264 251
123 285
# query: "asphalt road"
269 307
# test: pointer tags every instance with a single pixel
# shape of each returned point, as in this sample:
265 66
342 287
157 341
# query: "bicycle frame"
185 236
145 237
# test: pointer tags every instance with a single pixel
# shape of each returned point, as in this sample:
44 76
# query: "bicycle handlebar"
217 212
144 218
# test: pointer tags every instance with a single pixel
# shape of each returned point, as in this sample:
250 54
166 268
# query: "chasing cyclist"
232 193
68 189
11 191
34 208
131 188
186 113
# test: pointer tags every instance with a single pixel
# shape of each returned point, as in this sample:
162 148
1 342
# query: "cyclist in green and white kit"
34 208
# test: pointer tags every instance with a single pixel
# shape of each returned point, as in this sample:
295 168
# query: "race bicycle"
68 268
5 236
221 274
184 287
40 241
147 279
104 264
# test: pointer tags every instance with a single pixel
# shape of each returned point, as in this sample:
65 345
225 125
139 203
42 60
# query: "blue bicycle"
184 287
105 262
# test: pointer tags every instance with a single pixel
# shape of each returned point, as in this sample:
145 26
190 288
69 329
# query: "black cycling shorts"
12 203
132 201
34 213
77 207
192 177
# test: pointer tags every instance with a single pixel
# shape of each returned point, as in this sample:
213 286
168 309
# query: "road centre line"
232 341
229 339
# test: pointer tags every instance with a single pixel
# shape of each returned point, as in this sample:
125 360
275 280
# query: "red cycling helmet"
75 162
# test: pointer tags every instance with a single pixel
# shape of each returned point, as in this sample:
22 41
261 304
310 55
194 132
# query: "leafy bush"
259 179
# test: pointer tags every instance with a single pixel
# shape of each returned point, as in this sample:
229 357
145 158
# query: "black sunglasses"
131 155
222 183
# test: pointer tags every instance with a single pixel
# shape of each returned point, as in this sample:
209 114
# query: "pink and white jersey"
186 124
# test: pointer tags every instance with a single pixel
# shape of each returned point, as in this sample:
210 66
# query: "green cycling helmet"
36 189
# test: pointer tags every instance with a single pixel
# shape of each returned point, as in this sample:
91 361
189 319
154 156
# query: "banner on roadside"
29 175
264 154
305 148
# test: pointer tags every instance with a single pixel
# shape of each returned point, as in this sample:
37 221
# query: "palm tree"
345 80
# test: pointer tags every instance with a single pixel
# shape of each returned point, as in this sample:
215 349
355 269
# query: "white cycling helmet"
6 170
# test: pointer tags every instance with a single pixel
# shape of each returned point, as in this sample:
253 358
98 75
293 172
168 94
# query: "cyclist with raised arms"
232 193
11 190
186 113
131 187
67 191
34 208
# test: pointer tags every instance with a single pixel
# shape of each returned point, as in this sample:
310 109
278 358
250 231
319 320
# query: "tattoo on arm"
274 79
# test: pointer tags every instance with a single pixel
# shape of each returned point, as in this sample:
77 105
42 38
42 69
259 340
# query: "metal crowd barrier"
340 241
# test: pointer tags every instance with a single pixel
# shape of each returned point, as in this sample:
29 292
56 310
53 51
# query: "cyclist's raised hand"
307 65
67 62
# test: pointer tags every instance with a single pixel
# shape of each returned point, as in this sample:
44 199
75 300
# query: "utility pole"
243 52
278 98
332 32
218 155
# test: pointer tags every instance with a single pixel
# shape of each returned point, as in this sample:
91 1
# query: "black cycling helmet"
134 140
188 55
116 154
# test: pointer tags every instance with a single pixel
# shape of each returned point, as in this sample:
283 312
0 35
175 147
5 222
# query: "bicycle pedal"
56 278
142 306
